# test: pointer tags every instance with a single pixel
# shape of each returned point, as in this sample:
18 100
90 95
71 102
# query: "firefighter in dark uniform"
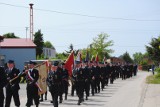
86 74
107 73
73 80
32 89
3 80
92 76
49 83
61 88
55 79
112 70
124 72
97 77
79 82
65 81
102 75
12 88
135 68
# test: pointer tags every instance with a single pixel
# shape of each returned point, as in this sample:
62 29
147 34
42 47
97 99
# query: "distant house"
19 50
115 60
49 52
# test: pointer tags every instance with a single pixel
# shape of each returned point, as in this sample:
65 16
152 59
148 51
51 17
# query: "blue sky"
63 29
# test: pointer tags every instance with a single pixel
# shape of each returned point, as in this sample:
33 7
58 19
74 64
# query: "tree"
101 45
154 49
38 40
61 56
138 57
10 35
48 44
126 57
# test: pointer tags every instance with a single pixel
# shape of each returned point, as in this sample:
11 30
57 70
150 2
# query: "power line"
77 14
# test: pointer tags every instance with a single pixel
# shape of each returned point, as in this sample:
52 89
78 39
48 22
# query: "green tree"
137 57
154 49
126 57
10 35
62 56
101 45
48 44
38 40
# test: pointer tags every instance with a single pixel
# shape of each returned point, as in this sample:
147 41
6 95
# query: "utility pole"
31 21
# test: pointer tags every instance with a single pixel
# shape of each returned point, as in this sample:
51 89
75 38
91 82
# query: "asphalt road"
123 93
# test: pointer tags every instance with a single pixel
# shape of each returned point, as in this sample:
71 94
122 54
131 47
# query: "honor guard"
79 82
86 73
32 77
12 87
92 76
54 80
65 81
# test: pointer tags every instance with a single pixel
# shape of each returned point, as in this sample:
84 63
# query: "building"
19 50
49 52
116 60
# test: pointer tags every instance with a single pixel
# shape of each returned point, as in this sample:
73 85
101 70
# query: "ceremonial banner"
87 57
79 57
43 72
70 63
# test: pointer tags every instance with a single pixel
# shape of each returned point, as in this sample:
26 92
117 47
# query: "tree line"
101 45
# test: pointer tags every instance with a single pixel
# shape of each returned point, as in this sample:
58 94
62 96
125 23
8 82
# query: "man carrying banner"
12 88
32 89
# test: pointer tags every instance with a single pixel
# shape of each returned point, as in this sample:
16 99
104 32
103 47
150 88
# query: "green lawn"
153 79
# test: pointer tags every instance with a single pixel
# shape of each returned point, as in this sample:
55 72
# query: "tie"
30 71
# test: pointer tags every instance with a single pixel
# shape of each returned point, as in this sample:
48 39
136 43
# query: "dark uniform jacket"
54 81
34 74
10 75
3 78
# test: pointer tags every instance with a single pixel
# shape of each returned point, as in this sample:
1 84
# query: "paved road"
120 94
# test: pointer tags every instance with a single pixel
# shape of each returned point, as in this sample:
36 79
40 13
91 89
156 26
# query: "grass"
153 79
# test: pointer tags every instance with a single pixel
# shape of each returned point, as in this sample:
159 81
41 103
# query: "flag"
69 63
87 57
79 57
43 72
97 58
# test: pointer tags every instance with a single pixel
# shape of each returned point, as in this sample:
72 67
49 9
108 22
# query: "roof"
17 43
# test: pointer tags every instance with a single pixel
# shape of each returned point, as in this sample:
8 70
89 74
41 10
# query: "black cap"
11 61
31 62
55 63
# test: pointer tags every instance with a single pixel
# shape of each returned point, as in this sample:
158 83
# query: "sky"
130 23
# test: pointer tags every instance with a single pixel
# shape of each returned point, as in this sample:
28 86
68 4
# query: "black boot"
65 96
78 102
86 97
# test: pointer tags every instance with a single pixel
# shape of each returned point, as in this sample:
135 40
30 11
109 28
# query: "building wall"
49 52
19 55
